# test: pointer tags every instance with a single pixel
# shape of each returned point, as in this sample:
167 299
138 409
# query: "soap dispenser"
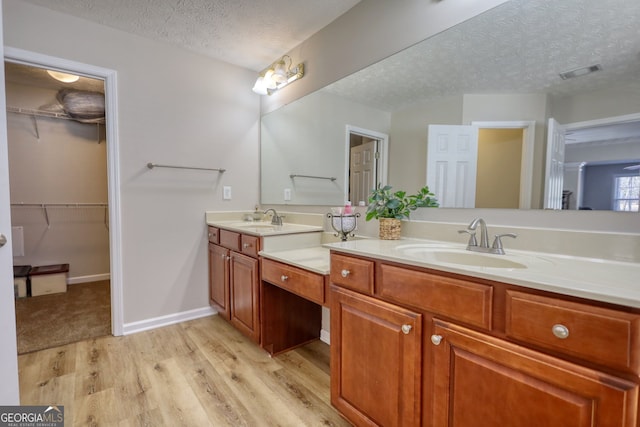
257 215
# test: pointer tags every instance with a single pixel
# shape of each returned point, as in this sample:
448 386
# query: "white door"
362 171
452 163
9 392
554 171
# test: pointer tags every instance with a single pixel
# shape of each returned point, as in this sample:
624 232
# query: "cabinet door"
482 380
376 357
219 279
245 291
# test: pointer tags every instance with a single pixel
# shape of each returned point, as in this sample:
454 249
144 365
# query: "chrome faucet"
496 247
275 219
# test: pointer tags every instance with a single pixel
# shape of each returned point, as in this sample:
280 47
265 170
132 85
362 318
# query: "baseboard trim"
86 279
170 319
325 336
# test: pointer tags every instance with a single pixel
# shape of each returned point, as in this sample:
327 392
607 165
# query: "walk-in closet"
59 206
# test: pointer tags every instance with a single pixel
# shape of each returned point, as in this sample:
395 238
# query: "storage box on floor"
21 280
48 279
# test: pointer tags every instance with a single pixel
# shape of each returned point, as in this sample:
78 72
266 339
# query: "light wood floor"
197 373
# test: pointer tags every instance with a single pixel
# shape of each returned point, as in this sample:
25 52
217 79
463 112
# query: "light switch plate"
287 194
226 192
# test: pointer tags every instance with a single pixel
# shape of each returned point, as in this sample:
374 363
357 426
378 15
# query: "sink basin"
266 228
449 254
475 259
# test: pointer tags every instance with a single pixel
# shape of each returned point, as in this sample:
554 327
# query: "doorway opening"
366 154
463 177
599 164
54 211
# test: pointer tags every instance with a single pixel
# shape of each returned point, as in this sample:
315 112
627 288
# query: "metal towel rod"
155 165
331 178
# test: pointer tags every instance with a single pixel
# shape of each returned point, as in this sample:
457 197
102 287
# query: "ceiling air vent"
580 71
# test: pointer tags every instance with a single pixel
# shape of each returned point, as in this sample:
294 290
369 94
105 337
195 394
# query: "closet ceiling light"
63 77
277 75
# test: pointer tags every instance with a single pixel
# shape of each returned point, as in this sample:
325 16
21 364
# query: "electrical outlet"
287 194
226 192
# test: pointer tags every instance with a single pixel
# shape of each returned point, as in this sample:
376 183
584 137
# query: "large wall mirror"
501 73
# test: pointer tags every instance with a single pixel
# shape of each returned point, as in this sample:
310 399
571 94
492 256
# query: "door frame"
25 57
528 147
383 149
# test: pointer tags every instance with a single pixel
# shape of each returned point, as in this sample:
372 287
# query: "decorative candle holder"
344 225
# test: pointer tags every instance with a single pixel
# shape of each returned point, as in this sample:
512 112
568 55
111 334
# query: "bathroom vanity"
277 305
426 333
420 346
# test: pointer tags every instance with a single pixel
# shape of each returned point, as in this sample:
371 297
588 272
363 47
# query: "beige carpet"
46 321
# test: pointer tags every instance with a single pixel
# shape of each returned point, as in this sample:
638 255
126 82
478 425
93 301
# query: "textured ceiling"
248 33
520 46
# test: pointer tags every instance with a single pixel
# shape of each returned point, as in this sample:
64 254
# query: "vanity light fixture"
278 75
63 77
580 71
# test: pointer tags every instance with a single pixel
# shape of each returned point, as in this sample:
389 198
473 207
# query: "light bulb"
63 77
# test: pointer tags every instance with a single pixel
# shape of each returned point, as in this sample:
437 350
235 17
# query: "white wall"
174 107
59 161
318 123
609 102
9 386
367 33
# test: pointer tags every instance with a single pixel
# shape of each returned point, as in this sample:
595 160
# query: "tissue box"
20 280
48 279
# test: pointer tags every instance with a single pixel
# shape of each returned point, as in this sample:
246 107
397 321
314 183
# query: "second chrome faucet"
495 248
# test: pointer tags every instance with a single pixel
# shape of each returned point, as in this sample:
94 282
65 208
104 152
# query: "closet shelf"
44 113
38 113
45 206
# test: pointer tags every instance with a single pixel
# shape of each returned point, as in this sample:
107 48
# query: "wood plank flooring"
197 373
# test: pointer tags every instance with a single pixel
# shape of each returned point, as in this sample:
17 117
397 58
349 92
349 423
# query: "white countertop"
314 259
601 280
263 228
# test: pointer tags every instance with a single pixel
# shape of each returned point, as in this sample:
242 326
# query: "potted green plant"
389 207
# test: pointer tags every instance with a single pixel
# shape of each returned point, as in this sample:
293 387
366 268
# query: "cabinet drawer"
457 299
352 273
297 280
605 336
214 235
250 245
230 240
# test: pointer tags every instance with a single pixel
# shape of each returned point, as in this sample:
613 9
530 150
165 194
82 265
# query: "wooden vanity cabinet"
480 377
376 360
291 305
490 354
234 279
219 280
244 284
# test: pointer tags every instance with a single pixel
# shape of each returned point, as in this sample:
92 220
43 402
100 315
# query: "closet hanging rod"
331 178
65 205
156 165
39 113
45 208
